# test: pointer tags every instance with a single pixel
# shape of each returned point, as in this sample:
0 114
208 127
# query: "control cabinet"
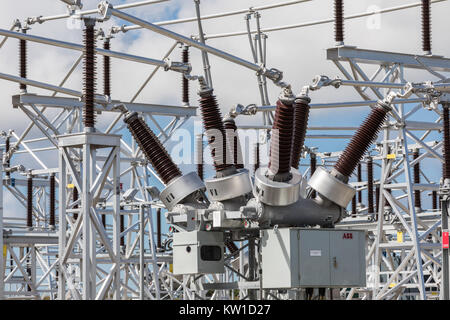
297 257
198 252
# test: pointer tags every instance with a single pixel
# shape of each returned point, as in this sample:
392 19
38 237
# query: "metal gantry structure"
105 241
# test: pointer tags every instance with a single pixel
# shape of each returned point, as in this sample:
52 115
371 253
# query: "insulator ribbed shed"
89 75
339 21
361 140
426 26
213 125
301 115
281 141
152 148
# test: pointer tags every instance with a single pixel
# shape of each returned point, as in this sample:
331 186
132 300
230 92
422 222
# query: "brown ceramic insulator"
212 122
122 228
339 20
158 228
231 132
256 157
89 76
184 81
426 26
301 115
360 199
199 155
434 199
361 141
8 161
23 61
104 220
313 166
281 142
152 148
231 247
370 186
107 69
75 198
416 174
30 202
52 195
354 207
446 134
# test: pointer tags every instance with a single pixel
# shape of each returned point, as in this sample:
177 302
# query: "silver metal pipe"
372 84
206 65
350 104
188 41
78 47
41 85
93 11
211 16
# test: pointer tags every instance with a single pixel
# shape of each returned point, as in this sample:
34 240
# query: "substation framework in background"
105 240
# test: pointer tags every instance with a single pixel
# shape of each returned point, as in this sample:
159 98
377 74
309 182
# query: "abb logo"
347 236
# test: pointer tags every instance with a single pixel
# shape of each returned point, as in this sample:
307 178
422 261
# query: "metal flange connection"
229 187
180 188
277 193
331 187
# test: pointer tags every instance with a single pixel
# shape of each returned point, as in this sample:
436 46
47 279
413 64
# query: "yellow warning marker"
70 186
171 268
390 156
392 285
399 236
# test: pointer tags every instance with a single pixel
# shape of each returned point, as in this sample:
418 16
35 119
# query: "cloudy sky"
299 53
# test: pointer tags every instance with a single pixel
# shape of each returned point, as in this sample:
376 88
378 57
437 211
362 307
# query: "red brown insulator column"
8 162
23 61
158 228
52 201
354 209
30 202
434 200
122 229
231 246
232 135
256 159
199 155
184 81
152 148
313 165
75 198
281 142
360 198
426 26
89 74
416 171
107 69
301 115
339 21
370 209
361 140
212 122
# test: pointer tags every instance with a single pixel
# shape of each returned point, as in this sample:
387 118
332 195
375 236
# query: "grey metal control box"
297 257
198 252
